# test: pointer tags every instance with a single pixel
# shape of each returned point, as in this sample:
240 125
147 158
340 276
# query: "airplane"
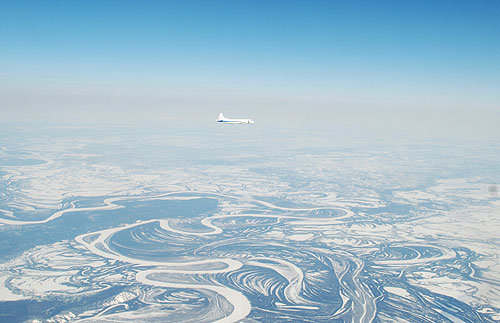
222 119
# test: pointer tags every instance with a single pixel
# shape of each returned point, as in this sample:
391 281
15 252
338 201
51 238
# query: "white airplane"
222 119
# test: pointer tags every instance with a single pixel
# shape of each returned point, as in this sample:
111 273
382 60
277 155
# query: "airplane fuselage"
236 121
222 119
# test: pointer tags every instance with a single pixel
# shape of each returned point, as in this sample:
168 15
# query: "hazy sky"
343 60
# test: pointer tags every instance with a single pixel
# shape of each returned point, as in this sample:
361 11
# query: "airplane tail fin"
221 116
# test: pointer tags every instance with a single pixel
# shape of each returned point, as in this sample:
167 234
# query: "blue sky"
403 55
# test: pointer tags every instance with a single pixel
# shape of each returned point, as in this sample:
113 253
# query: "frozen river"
245 224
